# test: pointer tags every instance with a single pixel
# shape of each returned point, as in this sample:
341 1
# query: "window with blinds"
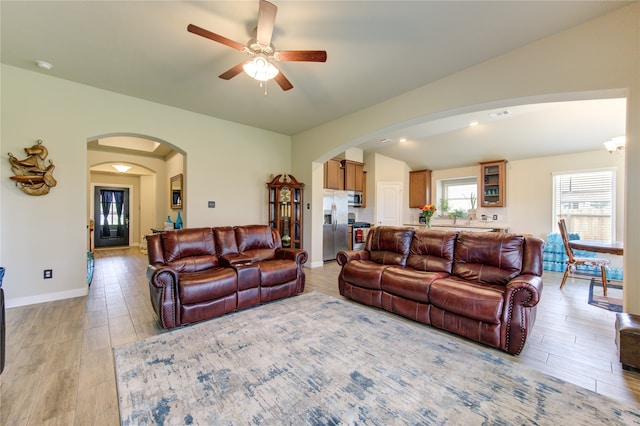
458 192
586 201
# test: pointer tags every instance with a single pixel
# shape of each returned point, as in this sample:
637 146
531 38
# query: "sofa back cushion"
432 251
256 242
189 250
389 245
225 239
488 257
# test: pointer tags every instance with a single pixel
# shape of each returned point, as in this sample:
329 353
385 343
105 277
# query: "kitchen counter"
474 226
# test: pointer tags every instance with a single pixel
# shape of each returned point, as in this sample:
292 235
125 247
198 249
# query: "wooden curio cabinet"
493 191
285 209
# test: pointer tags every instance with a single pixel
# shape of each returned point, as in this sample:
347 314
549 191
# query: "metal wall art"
31 173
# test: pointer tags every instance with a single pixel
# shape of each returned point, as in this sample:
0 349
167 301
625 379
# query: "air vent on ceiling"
386 140
500 114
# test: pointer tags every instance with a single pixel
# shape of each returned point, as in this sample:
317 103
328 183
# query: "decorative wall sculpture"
31 173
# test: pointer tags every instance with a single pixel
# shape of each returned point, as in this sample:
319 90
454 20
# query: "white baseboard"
48 297
316 264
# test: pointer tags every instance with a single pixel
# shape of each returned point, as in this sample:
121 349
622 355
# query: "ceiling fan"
262 52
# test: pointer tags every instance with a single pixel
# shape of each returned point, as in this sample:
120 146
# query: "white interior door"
389 203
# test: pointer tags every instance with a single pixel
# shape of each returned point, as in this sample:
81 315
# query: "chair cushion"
207 285
477 301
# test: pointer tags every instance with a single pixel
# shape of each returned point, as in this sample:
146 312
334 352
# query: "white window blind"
586 201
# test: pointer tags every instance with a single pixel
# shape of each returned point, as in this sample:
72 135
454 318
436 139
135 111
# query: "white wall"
50 231
598 59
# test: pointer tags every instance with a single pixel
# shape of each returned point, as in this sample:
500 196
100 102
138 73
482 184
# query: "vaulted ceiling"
376 50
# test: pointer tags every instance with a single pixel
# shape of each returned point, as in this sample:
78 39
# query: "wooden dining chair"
573 261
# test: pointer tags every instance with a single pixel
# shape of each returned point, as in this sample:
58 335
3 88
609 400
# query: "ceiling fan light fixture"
260 68
615 144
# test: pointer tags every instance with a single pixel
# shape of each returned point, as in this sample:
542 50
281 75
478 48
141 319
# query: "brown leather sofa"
200 273
481 285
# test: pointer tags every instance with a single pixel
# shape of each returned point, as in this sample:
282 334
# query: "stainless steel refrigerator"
335 231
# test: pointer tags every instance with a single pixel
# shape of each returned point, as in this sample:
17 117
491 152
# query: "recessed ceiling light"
44 65
474 123
403 139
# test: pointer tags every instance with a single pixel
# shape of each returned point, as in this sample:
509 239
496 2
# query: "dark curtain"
119 197
105 199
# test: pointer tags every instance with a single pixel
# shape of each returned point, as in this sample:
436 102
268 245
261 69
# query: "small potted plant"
472 201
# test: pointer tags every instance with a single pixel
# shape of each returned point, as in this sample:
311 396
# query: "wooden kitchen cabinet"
333 174
353 175
493 184
419 188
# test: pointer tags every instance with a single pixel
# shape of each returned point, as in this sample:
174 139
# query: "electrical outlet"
212 204
48 273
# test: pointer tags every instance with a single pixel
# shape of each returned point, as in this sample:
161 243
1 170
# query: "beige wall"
598 59
44 232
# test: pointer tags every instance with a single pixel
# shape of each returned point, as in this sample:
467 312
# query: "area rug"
612 301
314 359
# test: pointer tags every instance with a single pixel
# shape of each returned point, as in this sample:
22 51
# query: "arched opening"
129 188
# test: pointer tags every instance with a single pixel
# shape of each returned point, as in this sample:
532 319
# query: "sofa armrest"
525 290
300 256
163 287
346 255
161 276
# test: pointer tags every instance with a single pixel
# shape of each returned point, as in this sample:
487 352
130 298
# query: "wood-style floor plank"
60 368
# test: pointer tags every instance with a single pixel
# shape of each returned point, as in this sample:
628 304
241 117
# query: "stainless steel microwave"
354 198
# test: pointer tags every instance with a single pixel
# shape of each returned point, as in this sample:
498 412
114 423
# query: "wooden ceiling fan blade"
232 72
266 21
215 37
302 55
283 82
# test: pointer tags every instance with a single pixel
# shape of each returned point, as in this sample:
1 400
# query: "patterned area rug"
314 359
612 301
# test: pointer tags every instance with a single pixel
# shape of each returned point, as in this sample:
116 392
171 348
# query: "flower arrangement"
427 210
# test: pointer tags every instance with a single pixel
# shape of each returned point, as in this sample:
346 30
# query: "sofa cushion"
488 257
389 245
189 250
225 239
432 250
473 300
206 285
277 271
363 273
409 283
255 242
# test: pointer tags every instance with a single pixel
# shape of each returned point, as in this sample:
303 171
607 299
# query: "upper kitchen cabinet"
333 174
354 179
493 192
419 188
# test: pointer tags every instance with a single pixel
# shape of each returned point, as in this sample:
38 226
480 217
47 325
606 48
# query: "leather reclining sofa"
481 285
200 273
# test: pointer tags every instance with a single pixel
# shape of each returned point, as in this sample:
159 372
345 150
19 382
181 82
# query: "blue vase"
179 221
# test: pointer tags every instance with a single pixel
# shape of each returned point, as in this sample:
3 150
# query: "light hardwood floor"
60 368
